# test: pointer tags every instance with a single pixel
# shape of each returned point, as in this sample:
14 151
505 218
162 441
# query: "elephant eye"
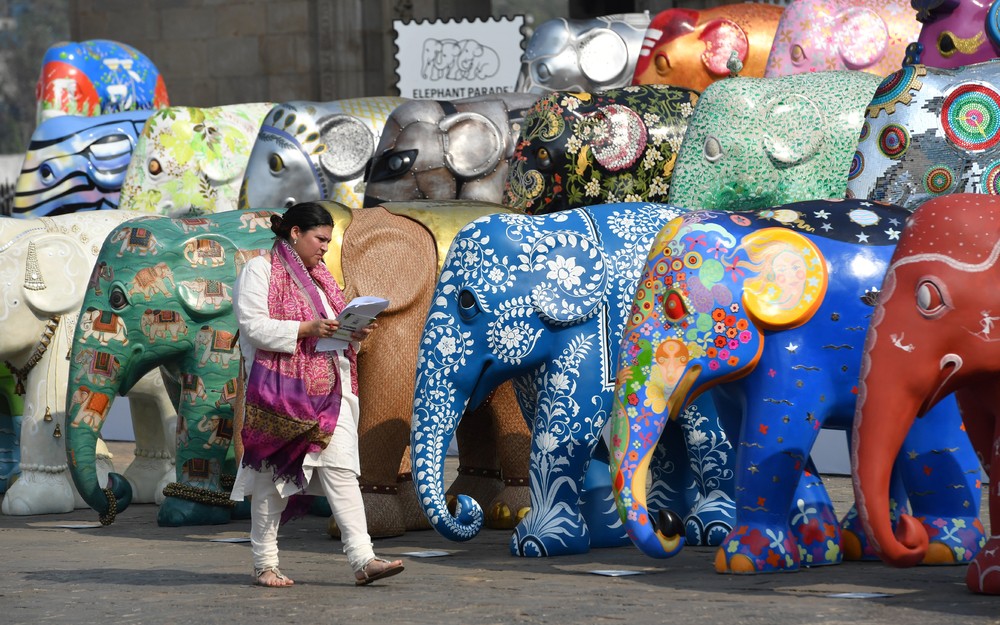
275 164
543 72
392 165
662 63
154 166
713 149
930 300
946 44
46 173
117 298
543 158
467 303
674 307
797 53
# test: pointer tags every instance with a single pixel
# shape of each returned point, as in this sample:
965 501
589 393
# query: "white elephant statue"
46 265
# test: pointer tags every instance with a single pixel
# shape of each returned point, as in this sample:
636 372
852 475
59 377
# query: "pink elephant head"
826 35
955 33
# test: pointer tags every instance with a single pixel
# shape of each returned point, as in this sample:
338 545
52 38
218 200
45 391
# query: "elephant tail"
460 519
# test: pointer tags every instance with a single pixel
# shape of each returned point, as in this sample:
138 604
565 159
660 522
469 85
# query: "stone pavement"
136 572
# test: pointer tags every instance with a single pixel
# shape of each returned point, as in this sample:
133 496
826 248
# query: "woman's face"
311 244
790 276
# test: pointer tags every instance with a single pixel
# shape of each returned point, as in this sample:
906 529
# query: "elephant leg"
597 502
153 421
814 522
856 545
983 425
941 473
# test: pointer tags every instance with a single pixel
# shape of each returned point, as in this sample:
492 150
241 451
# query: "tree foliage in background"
34 26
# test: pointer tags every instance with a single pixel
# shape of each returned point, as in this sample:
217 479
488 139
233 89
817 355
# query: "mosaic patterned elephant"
314 151
195 496
763 142
46 264
440 149
827 35
540 301
76 163
190 161
935 321
97 77
578 149
692 49
770 308
930 132
582 54
955 33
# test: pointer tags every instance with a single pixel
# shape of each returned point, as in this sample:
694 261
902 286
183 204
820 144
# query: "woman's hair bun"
276 223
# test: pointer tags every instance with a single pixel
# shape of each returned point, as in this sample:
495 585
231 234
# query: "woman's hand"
362 333
320 328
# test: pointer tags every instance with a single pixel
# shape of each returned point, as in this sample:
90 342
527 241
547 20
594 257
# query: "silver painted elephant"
440 150
314 151
47 265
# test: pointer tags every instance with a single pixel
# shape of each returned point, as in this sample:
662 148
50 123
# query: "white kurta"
259 331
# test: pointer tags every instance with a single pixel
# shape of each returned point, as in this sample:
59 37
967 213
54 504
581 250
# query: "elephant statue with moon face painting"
48 264
769 309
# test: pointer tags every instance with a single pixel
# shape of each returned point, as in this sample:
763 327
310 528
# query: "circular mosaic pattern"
991 179
938 179
866 129
863 217
893 141
857 165
971 117
895 89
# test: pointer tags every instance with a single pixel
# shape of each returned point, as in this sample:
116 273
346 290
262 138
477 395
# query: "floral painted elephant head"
582 55
540 301
578 149
935 321
77 163
314 151
692 49
439 150
955 33
930 132
763 142
97 77
168 322
771 307
825 35
190 161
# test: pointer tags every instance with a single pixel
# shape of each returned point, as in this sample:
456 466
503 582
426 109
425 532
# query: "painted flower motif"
686 109
495 275
633 399
720 341
573 145
734 308
511 336
559 381
546 442
655 398
447 346
733 344
755 541
713 365
723 354
731 334
733 361
742 324
719 327
718 315
592 188
565 272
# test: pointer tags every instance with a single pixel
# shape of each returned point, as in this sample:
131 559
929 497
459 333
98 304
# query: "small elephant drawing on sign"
136 241
98 367
217 346
93 407
213 293
162 324
152 280
104 325
204 252
251 220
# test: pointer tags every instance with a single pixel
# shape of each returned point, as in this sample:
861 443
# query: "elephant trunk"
885 411
433 428
633 442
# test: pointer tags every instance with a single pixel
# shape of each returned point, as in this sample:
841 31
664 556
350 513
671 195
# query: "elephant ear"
791 278
862 37
349 144
473 145
992 25
603 55
721 37
55 275
794 129
570 274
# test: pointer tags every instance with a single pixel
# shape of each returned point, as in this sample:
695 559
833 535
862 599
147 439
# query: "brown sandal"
278 575
395 567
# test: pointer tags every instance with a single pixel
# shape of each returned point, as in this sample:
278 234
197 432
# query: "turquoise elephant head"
314 151
762 142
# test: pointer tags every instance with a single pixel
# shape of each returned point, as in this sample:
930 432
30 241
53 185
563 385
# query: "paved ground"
137 572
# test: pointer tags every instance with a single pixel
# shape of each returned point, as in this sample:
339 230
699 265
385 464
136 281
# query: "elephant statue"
314 151
765 142
930 132
955 33
582 54
692 49
540 301
76 163
97 77
190 161
411 239
47 265
828 35
934 321
439 149
579 149
769 309
164 322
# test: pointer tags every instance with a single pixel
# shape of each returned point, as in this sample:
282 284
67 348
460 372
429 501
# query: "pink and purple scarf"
293 400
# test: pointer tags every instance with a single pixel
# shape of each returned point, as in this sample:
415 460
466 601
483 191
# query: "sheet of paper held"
359 312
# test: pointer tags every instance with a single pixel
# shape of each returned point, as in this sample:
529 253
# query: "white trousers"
344 494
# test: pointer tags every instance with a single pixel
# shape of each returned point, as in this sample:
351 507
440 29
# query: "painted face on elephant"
578 149
955 33
693 49
762 142
930 132
582 55
826 35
